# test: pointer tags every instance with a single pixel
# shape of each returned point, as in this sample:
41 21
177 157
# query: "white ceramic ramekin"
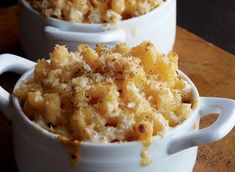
38 150
39 34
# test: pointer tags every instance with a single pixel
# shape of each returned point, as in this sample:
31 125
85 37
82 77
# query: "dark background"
213 20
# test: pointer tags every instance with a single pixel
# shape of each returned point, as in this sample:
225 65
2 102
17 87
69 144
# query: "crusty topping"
107 94
94 11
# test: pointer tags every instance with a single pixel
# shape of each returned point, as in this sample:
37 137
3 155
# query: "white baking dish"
38 150
40 34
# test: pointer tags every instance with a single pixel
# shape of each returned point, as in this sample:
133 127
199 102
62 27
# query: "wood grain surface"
213 72
210 68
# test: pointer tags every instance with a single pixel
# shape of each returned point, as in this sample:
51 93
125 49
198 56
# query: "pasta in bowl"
94 11
108 110
72 22
106 94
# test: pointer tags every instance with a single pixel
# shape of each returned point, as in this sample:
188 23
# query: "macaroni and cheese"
106 95
94 11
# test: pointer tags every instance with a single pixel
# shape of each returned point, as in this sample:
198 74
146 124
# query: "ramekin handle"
220 128
54 33
11 63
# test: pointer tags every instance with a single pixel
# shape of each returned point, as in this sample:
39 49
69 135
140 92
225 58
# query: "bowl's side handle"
110 36
11 63
220 128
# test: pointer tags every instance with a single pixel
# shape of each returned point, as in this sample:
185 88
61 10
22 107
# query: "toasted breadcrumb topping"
107 94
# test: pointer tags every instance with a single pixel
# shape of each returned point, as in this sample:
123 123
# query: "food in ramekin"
107 95
94 11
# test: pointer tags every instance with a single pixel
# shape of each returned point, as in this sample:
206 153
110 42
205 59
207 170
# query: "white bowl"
39 34
38 150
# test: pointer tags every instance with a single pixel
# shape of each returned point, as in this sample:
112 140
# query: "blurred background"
213 20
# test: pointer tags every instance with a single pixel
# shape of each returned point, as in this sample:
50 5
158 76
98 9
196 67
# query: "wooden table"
210 68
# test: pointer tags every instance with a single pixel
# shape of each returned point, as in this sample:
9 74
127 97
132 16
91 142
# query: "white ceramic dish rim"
95 25
29 74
